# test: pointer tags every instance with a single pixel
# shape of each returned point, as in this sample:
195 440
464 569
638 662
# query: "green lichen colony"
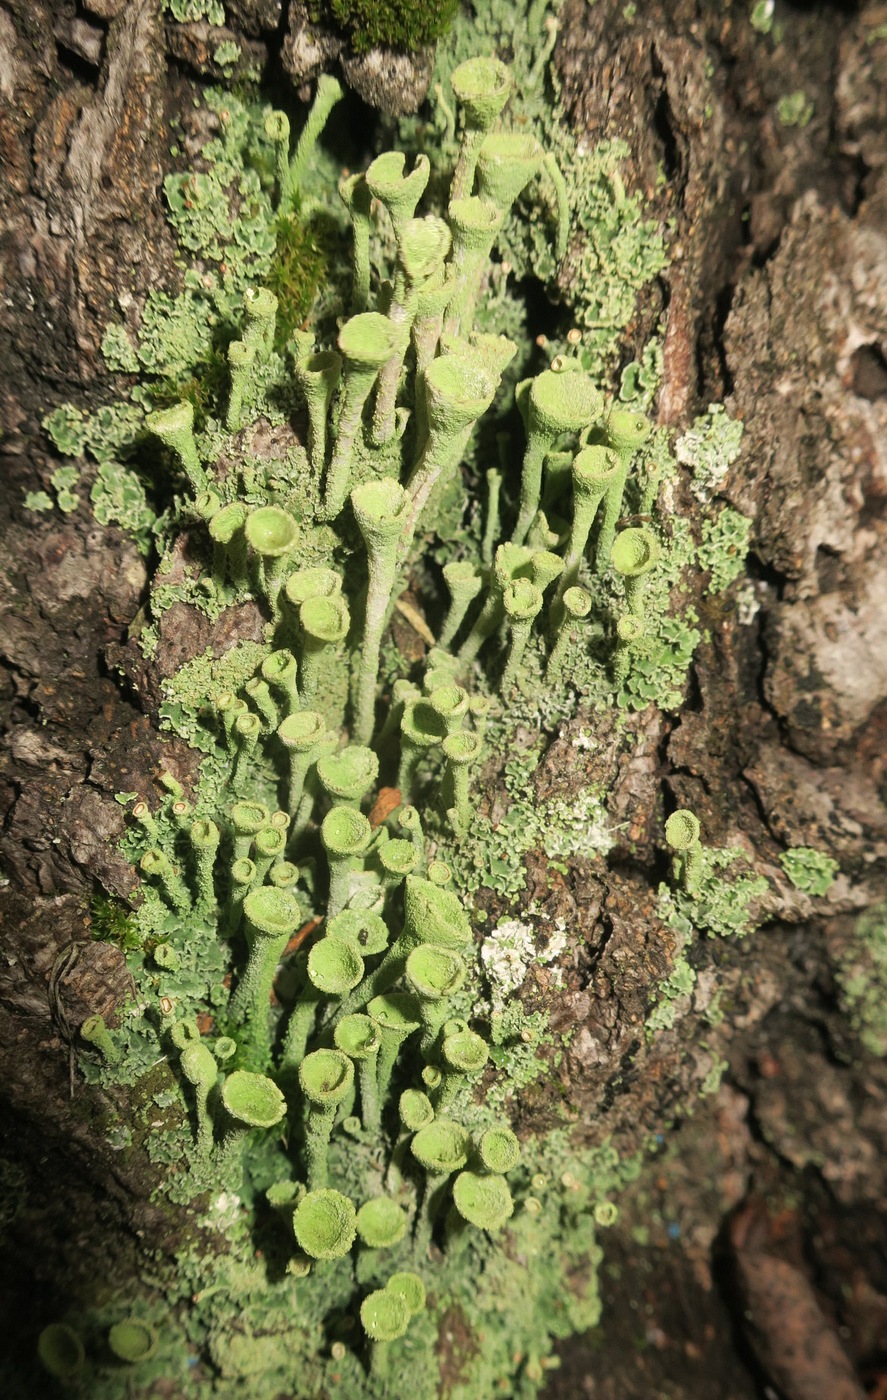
326 1051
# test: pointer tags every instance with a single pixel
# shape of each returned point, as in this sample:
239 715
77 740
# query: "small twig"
416 621
65 962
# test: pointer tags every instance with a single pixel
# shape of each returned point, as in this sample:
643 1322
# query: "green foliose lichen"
38 501
861 975
190 11
795 109
724 548
723 905
709 448
811 871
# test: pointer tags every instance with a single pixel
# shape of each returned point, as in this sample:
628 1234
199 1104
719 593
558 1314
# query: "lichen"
811 871
242 1311
862 978
190 11
224 220
724 548
709 448
795 109
507 952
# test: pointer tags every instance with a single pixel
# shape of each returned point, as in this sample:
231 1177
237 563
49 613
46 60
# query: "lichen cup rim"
253 1099
271 530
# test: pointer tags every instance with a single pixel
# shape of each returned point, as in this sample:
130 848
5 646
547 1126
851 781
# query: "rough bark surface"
776 298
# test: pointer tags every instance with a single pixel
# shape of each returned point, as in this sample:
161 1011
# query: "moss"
112 922
302 255
393 24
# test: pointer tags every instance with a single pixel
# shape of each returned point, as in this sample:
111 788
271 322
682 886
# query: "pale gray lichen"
709 448
508 952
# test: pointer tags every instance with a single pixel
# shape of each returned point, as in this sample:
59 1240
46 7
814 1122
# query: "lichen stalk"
355 195
456 394
575 605
205 837
556 403
157 866
277 129
522 602
366 342
247 729
300 733
482 87
594 471
201 1070
476 224
318 377
329 91
175 429
491 518
325 623
626 433
260 315
380 509
464 582
271 917
281 671
629 630
325 1077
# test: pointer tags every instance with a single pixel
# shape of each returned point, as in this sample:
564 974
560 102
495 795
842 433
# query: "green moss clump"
392 24
111 922
299 265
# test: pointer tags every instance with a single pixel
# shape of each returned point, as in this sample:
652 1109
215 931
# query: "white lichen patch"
510 950
585 741
577 828
709 447
224 1211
